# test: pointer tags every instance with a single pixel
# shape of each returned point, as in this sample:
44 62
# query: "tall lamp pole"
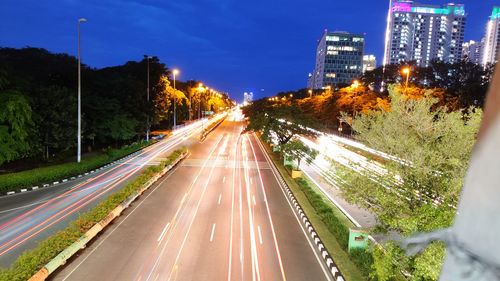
147 97
406 71
175 72
79 133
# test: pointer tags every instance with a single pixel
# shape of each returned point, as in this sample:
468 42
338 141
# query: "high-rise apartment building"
492 38
472 51
421 33
247 98
339 59
369 63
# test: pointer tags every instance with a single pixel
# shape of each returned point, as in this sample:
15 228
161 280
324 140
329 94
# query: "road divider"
211 126
38 263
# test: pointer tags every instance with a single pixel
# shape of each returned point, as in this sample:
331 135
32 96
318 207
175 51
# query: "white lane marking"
232 211
181 208
224 179
220 197
275 240
260 234
212 235
118 226
253 243
268 160
138 205
194 214
163 232
253 197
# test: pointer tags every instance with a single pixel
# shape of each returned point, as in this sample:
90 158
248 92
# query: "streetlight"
201 89
310 93
175 72
355 84
406 71
147 91
79 133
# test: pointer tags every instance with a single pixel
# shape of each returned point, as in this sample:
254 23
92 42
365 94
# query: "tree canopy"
38 103
418 193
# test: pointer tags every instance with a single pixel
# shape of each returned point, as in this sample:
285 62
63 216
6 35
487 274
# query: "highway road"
28 218
220 215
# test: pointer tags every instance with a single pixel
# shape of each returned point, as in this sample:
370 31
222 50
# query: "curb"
69 179
81 243
327 258
205 133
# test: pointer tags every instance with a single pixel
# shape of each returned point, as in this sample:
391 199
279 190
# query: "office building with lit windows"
422 33
492 38
339 59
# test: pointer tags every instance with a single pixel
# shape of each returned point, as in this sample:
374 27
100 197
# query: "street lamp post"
200 89
147 97
79 133
175 72
406 71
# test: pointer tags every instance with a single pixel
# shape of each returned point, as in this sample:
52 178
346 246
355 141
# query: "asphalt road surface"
28 218
220 215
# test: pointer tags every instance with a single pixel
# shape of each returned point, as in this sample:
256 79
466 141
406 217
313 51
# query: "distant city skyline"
260 46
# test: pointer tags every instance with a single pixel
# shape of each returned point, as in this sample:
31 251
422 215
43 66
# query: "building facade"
247 98
492 38
339 59
422 33
472 51
369 63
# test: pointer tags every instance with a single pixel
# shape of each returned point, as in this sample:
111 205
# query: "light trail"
268 213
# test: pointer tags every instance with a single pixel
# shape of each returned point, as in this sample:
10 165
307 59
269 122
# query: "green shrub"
362 258
39 176
33 260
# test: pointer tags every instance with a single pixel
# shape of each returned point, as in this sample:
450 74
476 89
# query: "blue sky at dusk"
231 45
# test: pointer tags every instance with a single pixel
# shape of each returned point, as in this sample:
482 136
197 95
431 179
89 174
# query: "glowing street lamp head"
355 84
82 20
200 85
175 72
406 70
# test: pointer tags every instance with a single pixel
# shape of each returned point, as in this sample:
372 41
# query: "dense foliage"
33 260
456 86
419 192
278 121
464 83
38 103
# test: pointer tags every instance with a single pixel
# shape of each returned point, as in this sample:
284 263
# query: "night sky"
264 46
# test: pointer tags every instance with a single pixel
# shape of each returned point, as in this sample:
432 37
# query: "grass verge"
33 260
38 176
